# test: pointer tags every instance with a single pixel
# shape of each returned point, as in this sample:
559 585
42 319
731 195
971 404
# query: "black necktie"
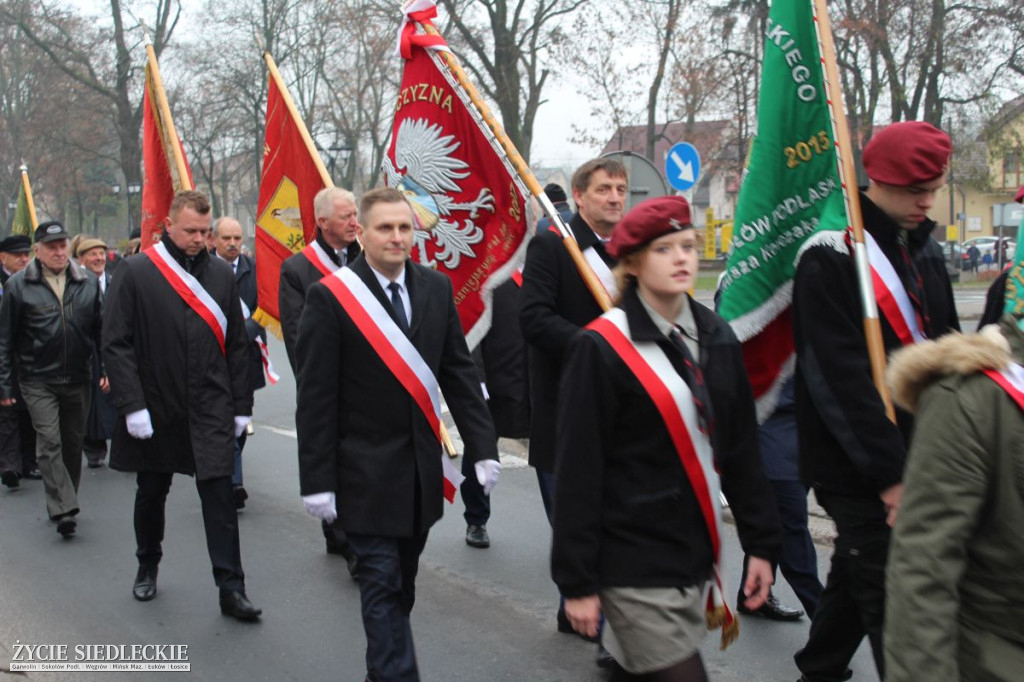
396 303
914 283
694 378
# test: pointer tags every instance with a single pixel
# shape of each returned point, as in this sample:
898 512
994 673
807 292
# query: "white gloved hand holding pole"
321 506
139 424
240 423
487 473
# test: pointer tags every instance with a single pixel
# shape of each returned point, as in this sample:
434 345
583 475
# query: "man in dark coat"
335 246
92 254
227 240
556 304
368 454
850 451
174 337
17 437
50 321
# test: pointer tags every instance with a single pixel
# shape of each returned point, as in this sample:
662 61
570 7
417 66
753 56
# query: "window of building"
1013 170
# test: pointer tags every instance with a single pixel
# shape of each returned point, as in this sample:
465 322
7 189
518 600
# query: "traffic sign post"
682 166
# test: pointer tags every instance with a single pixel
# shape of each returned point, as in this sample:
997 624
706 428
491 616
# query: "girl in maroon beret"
656 416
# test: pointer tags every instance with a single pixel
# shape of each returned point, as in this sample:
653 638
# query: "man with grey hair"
335 247
227 246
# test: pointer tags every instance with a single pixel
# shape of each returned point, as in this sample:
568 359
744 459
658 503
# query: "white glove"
139 424
321 505
240 423
487 472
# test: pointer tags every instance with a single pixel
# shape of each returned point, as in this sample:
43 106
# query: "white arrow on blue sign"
682 166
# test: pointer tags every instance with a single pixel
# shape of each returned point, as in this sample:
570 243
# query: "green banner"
791 188
22 223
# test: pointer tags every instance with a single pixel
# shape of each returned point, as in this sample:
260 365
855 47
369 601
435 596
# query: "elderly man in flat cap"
50 321
851 452
17 437
92 255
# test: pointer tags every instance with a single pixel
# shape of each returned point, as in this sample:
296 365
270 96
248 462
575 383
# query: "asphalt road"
481 615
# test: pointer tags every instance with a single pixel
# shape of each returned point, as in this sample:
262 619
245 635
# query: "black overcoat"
360 433
556 303
297 275
245 278
847 444
163 357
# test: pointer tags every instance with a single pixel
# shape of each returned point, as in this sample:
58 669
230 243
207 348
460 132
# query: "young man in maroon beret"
850 451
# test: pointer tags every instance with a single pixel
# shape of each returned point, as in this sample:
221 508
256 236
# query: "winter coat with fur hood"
955 577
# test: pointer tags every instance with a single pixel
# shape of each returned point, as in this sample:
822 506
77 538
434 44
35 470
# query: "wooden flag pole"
848 181
171 142
28 197
293 111
591 279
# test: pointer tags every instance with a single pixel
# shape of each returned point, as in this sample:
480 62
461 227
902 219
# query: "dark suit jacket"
556 303
360 433
245 277
297 275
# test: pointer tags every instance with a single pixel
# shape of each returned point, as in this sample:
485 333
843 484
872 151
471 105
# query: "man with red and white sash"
655 415
378 342
175 339
850 452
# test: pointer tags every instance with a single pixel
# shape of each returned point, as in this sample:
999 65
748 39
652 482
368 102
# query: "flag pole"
293 111
851 195
167 123
515 158
28 196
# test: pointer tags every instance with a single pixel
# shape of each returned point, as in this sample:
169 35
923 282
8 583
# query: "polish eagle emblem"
427 171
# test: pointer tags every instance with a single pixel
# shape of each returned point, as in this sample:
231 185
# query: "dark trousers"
478 505
386 572
58 414
95 449
798 559
17 440
236 475
219 518
546 483
853 602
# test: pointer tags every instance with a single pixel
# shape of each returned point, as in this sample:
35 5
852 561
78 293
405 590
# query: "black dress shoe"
240 495
66 526
10 479
144 588
605 660
565 626
772 609
476 536
95 463
238 606
33 475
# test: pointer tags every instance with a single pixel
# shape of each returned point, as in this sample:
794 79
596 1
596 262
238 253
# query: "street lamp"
131 188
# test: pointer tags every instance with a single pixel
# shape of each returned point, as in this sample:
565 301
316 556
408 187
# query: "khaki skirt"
653 628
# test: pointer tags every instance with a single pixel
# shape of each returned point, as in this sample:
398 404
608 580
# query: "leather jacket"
49 341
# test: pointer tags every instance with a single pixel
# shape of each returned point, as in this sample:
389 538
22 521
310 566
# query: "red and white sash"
191 292
319 258
399 355
597 264
892 297
268 366
675 404
1010 380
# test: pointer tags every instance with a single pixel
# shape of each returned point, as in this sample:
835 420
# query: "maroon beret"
1020 196
647 221
907 153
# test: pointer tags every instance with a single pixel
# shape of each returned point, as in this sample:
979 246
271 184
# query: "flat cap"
16 243
88 244
647 221
907 153
50 231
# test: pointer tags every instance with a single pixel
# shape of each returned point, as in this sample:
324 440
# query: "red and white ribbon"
399 355
892 297
319 258
602 271
191 291
1011 380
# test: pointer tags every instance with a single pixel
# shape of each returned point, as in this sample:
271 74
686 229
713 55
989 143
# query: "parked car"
988 245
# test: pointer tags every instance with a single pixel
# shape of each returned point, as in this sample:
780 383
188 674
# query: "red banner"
472 210
160 171
285 222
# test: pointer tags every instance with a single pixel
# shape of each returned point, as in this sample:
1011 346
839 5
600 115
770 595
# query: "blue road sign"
682 166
